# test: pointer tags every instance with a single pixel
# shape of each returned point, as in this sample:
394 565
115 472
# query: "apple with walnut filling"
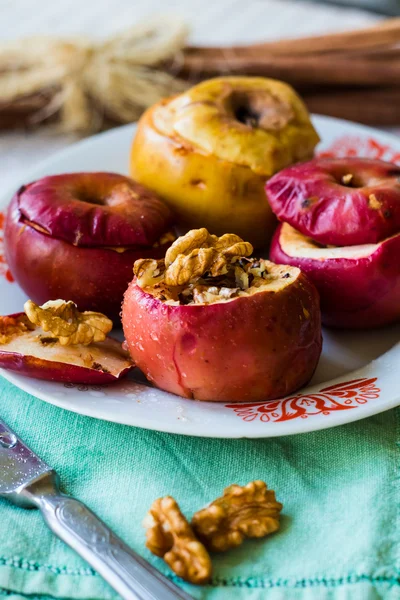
210 323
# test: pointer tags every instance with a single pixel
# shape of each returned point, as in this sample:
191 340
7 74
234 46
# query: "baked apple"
208 152
58 343
210 323
359 285
77 235
339 201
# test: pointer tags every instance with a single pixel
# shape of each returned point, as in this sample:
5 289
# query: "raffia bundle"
83 83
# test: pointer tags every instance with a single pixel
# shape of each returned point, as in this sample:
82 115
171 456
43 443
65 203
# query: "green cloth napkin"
340 532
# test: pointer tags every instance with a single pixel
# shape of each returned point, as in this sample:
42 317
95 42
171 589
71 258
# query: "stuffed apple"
210 323
208 152
58 343
77 236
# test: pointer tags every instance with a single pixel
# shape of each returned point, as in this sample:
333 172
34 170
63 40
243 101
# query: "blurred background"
32 99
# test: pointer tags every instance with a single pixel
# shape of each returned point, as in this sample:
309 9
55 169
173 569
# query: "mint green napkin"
340 534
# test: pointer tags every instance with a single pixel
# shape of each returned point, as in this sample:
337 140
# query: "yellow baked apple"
209 151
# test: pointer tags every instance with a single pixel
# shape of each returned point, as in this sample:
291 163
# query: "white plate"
356 377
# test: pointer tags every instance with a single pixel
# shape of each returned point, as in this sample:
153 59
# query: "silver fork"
29 482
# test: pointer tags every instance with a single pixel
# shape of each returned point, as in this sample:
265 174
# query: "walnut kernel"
64 321
242 512
148 271
170 536
190 257
196 238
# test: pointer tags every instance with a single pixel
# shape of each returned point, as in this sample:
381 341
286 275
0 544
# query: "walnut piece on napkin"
242 512
170 536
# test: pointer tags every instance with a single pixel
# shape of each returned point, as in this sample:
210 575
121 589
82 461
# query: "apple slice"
339 201
35 351
359 285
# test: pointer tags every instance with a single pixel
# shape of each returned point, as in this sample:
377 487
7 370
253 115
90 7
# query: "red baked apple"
77 236
57 343
211 324
359 285
339 201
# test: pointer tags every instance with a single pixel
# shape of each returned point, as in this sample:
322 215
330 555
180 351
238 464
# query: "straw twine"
88 81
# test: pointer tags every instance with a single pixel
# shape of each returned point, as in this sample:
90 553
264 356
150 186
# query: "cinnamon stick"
322 69
384 33
379 107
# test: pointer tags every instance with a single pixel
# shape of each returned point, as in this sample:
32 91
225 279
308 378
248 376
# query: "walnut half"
170 536
242 512
64 321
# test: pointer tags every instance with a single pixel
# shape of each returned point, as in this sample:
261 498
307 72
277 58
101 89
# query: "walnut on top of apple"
200 268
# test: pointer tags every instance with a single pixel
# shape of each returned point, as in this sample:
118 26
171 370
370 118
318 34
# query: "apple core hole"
259 109
243 112
90 198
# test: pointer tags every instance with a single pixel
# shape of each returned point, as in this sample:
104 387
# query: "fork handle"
127 572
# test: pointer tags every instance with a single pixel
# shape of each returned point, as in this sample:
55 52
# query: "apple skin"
312 198
49 370
356 293
95 209
48 268
252 348
35 368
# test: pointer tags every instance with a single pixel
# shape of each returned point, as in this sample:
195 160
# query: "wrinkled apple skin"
47 268
202 190
208 165
312 198
29 366
95 209
355 293
253 348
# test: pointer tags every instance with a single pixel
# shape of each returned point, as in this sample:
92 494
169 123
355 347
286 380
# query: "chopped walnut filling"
200 268
170 536
242 512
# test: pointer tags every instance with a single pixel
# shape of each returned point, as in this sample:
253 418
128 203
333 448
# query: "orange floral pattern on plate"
351 146
341 396
4 270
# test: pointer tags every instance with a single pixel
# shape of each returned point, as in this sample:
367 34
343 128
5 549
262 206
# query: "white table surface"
211 22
